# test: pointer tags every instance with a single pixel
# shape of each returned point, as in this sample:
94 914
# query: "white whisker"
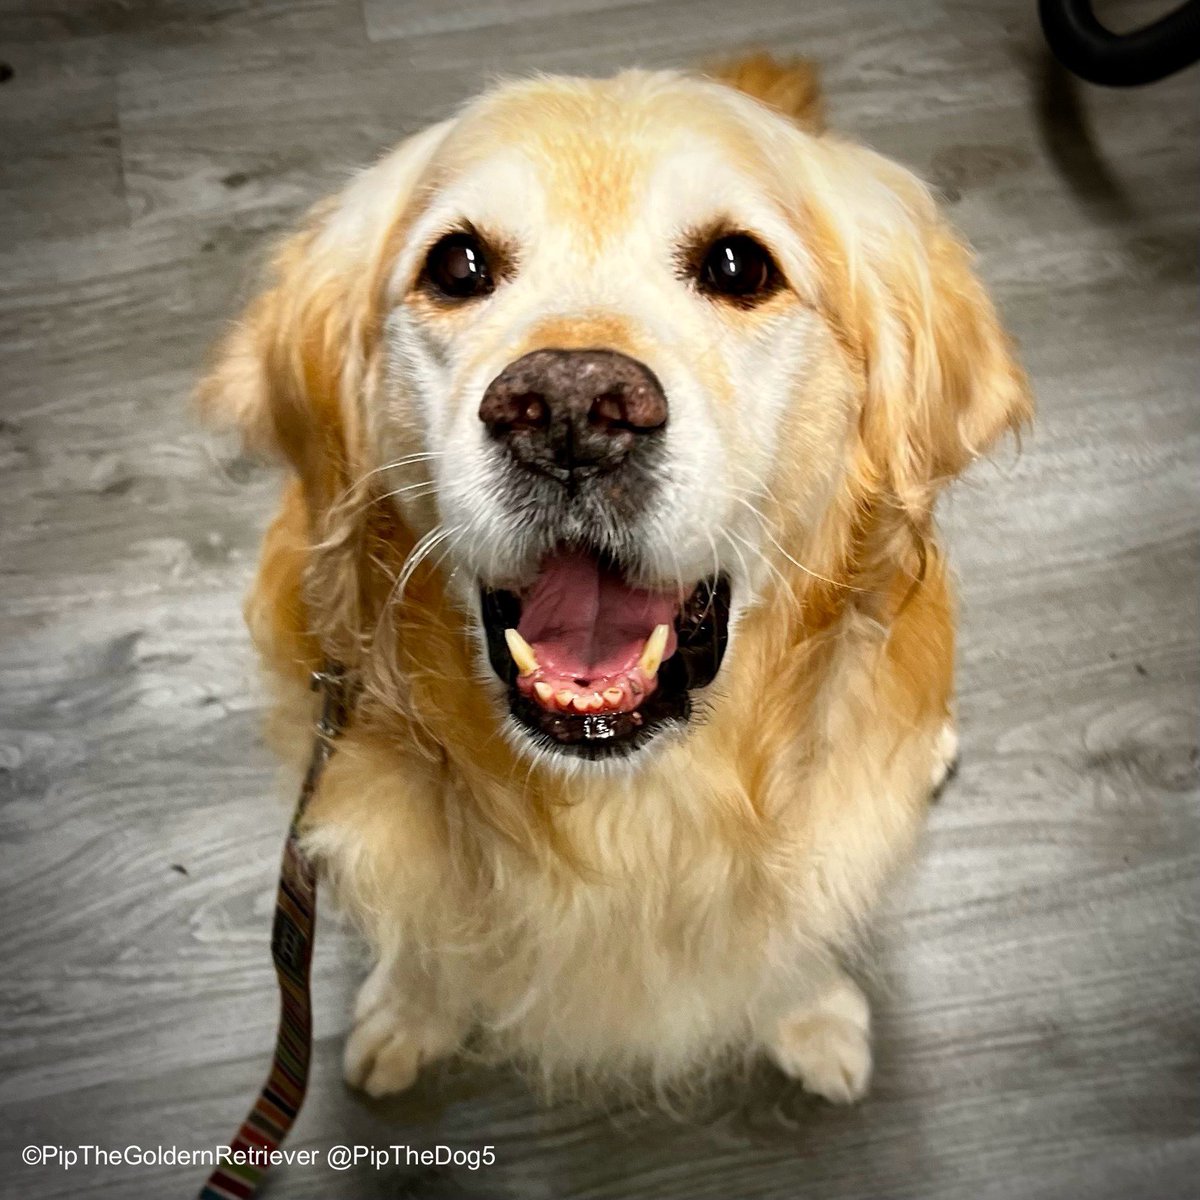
422 483
766 528
352 488
746 573
783 579
419 553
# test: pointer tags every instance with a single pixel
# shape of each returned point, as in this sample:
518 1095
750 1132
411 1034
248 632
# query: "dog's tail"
791 85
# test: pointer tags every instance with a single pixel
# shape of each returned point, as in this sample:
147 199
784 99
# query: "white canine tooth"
521 651
652 651
564 697
544 691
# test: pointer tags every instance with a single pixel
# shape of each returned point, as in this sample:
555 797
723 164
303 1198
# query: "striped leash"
274 1112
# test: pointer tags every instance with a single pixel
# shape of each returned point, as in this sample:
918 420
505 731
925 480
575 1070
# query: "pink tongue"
586 623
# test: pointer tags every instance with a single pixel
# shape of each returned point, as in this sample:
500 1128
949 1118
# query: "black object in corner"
1089 50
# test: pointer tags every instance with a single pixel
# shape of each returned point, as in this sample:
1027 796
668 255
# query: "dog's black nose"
573 412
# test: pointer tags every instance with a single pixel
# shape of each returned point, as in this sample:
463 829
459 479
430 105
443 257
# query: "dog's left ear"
942 379
791 86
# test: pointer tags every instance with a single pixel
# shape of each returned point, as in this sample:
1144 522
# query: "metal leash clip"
332 682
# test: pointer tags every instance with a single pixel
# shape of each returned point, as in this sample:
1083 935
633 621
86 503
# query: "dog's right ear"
283 375
234 395
289 376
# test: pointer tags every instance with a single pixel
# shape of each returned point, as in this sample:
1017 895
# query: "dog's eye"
737 265
457 267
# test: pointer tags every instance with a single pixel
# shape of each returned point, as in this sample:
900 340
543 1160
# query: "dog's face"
599 320
627 355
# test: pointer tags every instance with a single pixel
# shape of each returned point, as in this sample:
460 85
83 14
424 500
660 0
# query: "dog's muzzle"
596 661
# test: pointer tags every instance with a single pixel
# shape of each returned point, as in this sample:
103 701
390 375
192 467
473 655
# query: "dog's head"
622 359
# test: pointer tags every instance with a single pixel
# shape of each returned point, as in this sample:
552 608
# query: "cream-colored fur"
676 947
651 919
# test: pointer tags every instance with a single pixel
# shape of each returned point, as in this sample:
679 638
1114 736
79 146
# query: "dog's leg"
826 1043
398 1028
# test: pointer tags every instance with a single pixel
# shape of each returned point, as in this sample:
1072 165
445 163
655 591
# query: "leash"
271 1118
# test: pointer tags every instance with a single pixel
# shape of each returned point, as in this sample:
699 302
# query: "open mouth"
595 665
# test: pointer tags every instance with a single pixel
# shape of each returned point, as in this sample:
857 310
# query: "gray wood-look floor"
1038 988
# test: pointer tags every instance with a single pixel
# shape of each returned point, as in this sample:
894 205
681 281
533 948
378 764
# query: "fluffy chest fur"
608 925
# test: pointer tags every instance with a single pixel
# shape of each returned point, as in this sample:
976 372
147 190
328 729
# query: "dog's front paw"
945 758
827 1045
385 1051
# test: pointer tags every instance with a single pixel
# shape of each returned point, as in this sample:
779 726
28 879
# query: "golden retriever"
615 412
